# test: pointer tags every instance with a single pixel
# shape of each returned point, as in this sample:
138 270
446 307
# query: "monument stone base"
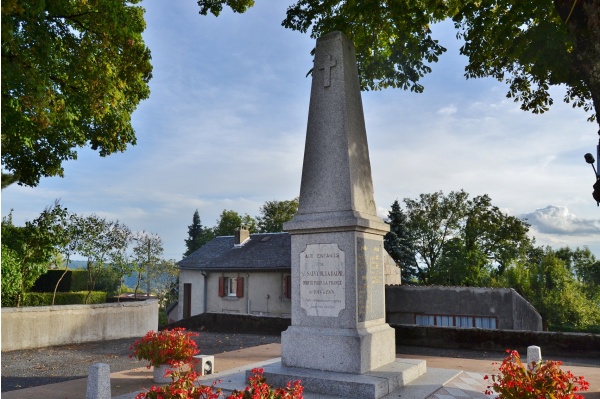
354 351
372 385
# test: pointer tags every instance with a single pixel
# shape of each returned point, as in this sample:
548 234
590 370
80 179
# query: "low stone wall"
553 343
234 323
37 327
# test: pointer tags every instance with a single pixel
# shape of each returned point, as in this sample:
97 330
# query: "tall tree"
399 243
101 240
531 45
462 241
273 214
231 220
198 235
73 72
147 254
434 219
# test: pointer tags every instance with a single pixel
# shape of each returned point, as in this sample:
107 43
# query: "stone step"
328 385
425 385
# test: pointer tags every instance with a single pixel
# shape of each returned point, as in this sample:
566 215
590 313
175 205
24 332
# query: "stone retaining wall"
37 327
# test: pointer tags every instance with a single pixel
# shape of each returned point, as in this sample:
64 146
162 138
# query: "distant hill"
77 264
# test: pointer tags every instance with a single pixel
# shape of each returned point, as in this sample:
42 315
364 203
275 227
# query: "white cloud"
558 220
448 110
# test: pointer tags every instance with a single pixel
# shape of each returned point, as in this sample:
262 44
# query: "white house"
244 274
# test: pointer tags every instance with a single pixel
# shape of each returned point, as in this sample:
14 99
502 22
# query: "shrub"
62 298
174 347
543 380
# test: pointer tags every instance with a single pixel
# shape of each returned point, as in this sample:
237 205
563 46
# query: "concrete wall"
511 310
36 327
263 294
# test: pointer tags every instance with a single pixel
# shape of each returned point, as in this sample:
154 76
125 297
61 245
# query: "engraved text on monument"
322 280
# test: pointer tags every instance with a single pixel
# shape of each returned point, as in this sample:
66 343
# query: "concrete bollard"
98 383
534 354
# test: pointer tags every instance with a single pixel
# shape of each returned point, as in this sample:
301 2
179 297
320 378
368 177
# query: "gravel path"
34 367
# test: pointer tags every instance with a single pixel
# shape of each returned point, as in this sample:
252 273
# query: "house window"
232 287
287 286
456 321
444 321
464 321
485 322
424 320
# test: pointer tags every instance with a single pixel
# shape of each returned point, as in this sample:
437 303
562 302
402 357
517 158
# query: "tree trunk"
582 18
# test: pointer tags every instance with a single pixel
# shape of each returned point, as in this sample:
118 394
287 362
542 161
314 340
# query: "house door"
187 300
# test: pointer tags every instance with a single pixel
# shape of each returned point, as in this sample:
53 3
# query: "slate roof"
268 251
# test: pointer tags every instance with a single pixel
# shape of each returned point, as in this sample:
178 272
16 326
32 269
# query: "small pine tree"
197 235
398 243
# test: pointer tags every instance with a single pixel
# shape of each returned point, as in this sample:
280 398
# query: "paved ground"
34 367
43 369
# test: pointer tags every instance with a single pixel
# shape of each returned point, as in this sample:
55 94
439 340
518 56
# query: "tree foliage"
147 254
456 240
29 250
547 282
531 45
73 72
273 214
231 220
100 241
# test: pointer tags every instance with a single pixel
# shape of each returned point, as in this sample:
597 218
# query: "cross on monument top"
326 67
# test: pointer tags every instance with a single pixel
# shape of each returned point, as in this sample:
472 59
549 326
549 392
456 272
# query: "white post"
534 354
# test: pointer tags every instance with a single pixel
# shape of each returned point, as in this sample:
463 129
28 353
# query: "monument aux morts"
338 342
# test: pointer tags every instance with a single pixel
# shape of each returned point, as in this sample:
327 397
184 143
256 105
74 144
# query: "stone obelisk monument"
338 329
338 307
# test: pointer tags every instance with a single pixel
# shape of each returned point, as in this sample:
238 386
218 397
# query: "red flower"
543 380
174 347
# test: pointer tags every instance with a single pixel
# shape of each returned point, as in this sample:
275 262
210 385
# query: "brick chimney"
241 235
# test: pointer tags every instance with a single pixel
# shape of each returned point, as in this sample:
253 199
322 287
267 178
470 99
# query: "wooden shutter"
221 287
240 287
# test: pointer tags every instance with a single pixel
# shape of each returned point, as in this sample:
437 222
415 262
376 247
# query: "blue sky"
224 128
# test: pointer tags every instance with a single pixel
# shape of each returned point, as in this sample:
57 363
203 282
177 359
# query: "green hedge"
74 280
62 298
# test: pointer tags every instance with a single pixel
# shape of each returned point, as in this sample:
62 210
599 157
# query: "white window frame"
230 284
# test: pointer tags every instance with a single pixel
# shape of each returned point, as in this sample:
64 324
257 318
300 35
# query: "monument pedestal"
355 351
373 385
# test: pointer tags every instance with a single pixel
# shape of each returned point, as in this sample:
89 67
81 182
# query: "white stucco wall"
197 280
263 294
41 326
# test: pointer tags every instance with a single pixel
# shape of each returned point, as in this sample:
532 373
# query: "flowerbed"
183 387
537 381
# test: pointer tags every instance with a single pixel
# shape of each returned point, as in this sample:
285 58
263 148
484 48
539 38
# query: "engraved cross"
326 67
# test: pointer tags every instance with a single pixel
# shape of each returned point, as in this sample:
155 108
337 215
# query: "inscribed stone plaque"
322 280
370 289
